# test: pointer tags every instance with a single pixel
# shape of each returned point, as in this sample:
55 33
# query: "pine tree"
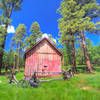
34 36
70 13
76 17
18 40
7 7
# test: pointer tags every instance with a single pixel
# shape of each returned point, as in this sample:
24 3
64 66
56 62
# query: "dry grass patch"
85 88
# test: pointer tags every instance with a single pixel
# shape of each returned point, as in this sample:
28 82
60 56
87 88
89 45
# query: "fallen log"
13 79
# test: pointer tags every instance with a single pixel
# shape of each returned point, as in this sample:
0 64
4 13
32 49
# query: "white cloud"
45 35
11 29
54 40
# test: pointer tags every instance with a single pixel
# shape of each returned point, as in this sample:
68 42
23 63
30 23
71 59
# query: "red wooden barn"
42 57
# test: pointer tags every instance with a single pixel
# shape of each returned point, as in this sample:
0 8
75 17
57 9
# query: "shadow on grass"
83 68
3 73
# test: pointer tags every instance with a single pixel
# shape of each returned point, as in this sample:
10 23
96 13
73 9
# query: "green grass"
72 89
83 68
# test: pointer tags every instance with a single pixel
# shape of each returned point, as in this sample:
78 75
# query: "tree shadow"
3 73
97 68
83 69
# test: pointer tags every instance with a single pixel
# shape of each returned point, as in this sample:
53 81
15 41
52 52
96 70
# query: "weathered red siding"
42 58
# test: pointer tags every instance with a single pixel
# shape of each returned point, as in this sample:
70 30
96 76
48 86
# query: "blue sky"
43 11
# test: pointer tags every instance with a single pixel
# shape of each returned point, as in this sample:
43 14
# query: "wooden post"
63 60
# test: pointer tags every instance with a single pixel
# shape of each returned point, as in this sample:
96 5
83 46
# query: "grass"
81 87
83 68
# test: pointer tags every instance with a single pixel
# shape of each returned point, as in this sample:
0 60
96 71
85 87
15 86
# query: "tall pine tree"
34 36
7 7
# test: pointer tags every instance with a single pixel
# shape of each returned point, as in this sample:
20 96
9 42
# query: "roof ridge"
41 41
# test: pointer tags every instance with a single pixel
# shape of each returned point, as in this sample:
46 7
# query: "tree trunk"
85 53
1 58
73 55
2 51
14 64
16 57
18 62
6 69
69 51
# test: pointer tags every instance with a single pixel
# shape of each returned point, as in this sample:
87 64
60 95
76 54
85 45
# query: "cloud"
54 40
11 29
45 35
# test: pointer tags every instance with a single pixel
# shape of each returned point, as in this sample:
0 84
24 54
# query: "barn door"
45 64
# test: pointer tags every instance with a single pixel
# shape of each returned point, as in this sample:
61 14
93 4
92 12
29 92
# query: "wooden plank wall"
40 57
